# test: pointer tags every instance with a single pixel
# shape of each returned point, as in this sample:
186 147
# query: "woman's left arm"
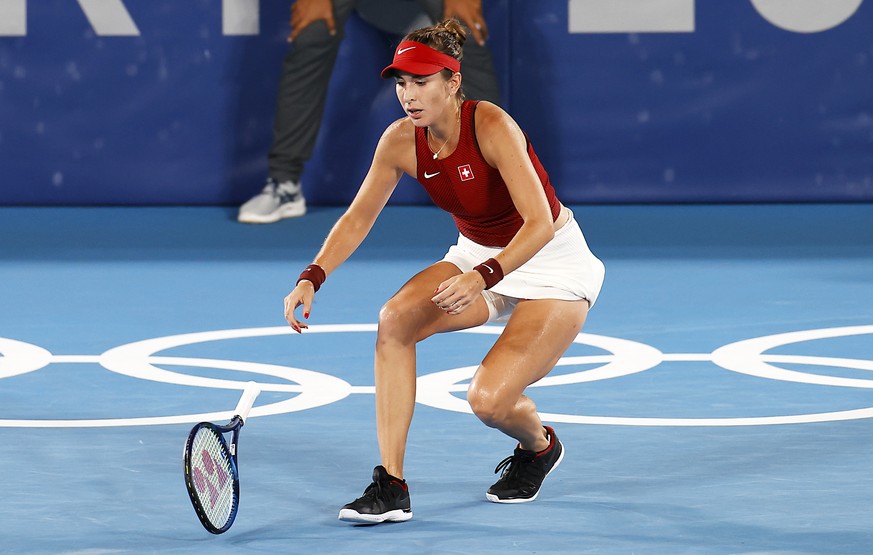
504 147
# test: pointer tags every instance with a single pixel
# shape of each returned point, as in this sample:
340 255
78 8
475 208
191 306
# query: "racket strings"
212 474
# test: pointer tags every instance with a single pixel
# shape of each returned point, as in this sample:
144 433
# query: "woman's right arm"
390 161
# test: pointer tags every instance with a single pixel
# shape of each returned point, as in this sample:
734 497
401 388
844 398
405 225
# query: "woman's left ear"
456 80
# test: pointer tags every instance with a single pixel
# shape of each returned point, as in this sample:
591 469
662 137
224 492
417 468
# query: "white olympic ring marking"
746 357
317 389
21 358
743 357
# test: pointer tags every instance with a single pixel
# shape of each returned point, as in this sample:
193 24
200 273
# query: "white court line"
436 389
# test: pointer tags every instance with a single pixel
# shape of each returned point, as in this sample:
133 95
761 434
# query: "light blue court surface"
720 399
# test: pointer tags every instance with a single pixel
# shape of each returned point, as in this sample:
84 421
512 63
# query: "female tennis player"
520 258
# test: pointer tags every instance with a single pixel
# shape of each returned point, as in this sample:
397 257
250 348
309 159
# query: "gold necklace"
437 153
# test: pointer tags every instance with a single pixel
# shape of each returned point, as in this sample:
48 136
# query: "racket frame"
241 412
230 450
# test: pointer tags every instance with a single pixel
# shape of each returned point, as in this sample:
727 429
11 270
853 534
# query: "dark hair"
448 36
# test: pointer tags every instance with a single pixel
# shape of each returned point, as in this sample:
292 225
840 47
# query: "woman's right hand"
303 294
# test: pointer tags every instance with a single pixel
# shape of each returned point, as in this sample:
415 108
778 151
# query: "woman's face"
425 98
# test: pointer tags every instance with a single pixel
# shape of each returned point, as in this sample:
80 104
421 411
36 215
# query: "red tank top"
474 193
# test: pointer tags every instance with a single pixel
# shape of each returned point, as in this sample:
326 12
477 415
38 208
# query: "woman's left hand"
455 294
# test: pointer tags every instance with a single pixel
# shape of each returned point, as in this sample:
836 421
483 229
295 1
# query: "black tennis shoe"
524 472
385 500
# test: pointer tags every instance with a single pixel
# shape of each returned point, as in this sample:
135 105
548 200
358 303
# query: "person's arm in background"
470 12
306 12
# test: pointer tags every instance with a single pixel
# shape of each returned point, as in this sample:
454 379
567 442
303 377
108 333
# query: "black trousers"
309 63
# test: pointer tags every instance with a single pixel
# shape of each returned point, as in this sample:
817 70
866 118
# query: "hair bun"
448 36
454 27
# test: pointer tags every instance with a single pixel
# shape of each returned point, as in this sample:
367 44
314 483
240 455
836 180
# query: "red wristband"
313 273
491 272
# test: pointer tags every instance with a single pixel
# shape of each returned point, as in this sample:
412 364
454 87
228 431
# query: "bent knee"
487 406
399 319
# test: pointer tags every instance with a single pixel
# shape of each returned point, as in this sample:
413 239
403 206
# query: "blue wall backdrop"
627 101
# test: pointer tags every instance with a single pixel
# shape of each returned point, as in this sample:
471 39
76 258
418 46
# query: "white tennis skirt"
564 269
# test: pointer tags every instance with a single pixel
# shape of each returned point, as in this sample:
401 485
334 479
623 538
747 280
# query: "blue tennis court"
718 400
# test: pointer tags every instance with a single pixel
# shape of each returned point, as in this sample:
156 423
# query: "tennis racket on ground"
211 473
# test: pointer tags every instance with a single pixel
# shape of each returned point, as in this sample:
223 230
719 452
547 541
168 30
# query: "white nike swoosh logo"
490 271
399 52
429 175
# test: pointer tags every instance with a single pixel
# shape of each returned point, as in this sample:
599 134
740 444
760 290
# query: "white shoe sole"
289 210
398 515
494 499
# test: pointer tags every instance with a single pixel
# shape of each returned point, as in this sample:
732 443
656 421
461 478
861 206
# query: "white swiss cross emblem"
466 172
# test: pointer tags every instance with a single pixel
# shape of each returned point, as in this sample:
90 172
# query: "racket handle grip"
249 395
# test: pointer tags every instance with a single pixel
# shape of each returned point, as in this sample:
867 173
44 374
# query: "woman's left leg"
535 338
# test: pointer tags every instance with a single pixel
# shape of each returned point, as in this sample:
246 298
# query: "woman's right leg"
407 318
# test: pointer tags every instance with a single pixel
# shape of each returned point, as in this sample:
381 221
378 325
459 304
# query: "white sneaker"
276 201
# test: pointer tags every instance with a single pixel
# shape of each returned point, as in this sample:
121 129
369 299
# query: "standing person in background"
317 29
520 256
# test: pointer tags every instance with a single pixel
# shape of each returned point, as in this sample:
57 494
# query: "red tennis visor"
419 59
